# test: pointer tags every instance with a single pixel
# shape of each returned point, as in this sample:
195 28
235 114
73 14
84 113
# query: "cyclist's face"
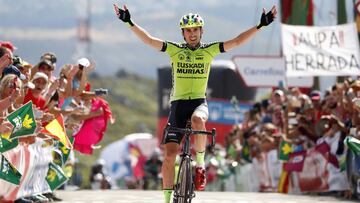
192 35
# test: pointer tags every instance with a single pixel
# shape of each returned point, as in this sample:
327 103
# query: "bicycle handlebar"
190 131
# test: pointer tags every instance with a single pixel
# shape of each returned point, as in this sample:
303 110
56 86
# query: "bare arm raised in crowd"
124 15
83 80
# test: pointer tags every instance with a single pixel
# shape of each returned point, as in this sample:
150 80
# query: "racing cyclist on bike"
190 72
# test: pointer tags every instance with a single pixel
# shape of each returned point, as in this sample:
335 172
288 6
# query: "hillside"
133 102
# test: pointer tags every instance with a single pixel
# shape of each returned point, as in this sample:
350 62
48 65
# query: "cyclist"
190 72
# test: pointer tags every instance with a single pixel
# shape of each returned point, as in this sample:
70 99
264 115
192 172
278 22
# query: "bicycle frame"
184 187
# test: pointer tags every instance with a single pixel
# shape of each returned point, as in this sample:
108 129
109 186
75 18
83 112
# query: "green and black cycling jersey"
191 68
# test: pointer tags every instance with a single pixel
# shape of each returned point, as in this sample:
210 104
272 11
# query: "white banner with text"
321 51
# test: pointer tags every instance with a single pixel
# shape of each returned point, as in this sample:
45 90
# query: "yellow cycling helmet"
191 20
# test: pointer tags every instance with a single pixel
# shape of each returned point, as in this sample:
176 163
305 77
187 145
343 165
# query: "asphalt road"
139 196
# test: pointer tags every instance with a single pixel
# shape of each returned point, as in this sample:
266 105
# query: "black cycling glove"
124 15
266 19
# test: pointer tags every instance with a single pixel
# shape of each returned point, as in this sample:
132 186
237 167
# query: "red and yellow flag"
283 186
56 130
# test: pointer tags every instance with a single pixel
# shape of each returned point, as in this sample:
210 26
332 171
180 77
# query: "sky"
38 26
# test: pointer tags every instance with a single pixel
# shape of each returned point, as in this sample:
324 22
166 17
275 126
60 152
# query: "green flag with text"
23 121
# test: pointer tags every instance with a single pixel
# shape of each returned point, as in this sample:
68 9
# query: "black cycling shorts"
180 112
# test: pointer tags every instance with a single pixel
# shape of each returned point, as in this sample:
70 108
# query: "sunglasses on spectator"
12 86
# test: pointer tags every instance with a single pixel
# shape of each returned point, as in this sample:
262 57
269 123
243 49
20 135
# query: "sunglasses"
12 86
50 57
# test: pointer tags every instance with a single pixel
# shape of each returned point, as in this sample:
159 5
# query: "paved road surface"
138 196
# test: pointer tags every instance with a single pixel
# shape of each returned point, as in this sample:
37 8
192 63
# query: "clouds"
38 25
63 34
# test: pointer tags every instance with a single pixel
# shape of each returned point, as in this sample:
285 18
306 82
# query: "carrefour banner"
321 51
266 71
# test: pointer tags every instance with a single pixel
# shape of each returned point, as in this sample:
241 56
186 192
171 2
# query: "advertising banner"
265 71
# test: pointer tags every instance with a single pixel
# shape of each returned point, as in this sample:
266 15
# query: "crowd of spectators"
68 94
302 118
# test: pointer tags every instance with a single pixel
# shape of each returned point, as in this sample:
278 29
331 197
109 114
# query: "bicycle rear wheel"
184 189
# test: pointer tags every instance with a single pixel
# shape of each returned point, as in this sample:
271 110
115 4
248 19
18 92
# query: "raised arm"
124 15
265 20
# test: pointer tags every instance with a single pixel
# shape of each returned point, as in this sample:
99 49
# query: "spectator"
98 179
10 87
40 81
5 58
152 169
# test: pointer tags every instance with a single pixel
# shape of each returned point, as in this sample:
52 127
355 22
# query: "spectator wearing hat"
13 70
315 97
278 97
23 66
40 81
49 56
83 67
44 66
9 45
80 80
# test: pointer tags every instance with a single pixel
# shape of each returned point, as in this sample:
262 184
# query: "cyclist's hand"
123 14
267 18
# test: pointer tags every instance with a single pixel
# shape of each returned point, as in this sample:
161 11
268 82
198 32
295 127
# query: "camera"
101 91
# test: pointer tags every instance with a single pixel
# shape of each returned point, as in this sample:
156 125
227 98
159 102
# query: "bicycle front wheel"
184 189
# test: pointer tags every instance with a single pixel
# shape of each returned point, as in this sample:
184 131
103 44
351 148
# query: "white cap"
40 75
84 62
30 85
279 92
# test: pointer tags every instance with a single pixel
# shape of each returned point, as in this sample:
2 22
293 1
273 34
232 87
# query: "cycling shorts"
180 112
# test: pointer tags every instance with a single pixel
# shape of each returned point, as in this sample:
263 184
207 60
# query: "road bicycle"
184 187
